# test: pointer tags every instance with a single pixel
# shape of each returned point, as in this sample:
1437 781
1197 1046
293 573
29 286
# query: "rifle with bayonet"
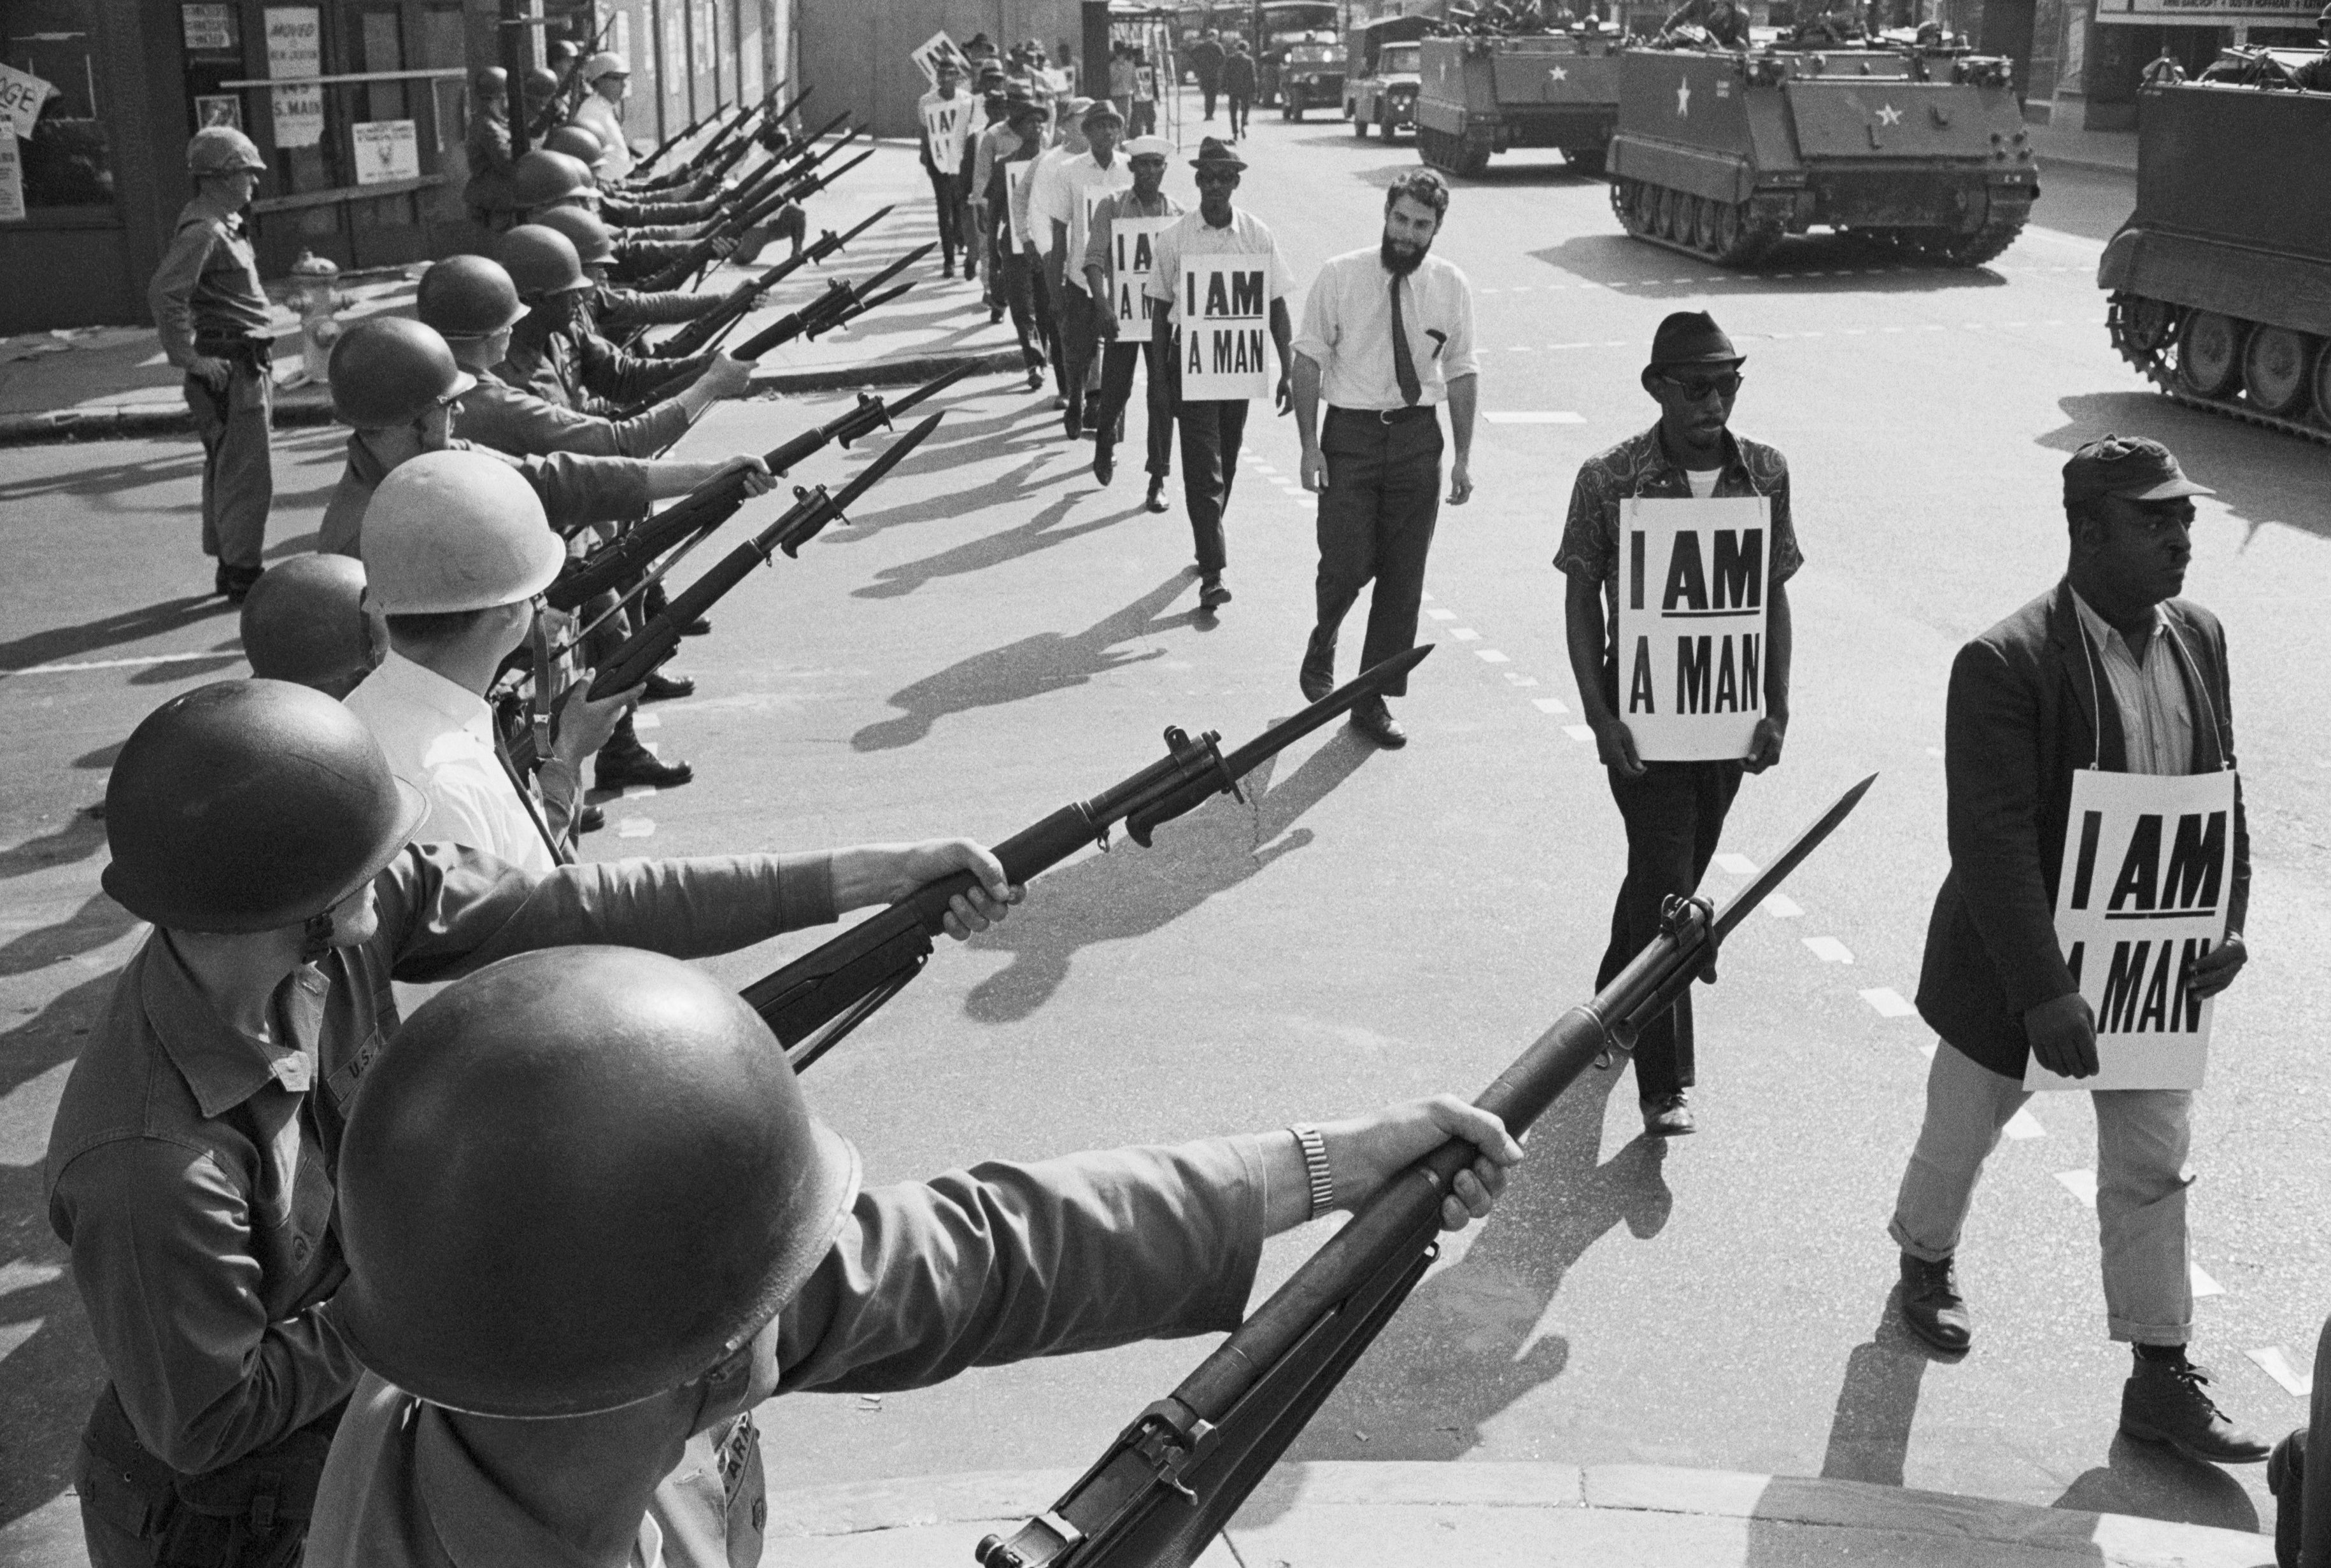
693 167
810 1004
674 139
1174 1478
769 191
742 299
841 302
812 509
620 560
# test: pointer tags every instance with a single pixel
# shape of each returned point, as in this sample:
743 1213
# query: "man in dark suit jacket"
2106 670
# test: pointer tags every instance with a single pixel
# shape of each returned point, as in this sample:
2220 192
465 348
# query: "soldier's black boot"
623 763
2285 1471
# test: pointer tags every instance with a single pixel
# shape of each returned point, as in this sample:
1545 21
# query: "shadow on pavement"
65 643
1110 898
2261 476
81 836
2157 1482
1038 533
105 484
1047 662
1869 1431
998 491
1805 264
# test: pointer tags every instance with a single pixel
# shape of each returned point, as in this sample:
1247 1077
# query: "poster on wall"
386 150
210 28
21 96
295 48
12 181
219 108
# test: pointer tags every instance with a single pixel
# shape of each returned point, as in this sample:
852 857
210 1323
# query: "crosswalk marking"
2275 1362
1549 705
634 827
1829 949
1889 1003
1737 865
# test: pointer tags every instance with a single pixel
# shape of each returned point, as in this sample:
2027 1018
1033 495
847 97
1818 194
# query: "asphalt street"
995 634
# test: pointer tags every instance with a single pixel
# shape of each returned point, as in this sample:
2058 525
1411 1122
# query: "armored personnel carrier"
2221 280
1482 95
1722 155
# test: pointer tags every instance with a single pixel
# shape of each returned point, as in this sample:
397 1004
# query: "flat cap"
2128 466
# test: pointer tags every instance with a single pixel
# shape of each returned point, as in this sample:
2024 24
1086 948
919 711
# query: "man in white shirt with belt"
456 549
601 112
1060 204
1387 337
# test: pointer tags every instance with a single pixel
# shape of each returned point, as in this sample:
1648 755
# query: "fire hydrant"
319 305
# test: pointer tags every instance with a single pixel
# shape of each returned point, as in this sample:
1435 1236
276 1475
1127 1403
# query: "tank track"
1999 231
2154 362
1756 231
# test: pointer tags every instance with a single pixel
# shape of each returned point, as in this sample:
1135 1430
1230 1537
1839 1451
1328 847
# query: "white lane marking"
2275 1362
139 663
1738 865
1465 634
634 827
1534 416
1889 1003
639 792
647 721
1781 906
2023 1126
1829 949
1489 656
1550 704
2081 1184
1442 614
1516 679
1579 732
2202 1284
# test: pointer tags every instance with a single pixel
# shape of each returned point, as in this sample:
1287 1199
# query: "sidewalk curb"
309 408
1333 1508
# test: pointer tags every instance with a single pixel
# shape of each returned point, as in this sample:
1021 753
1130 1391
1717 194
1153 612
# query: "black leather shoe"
1669 1117
661 688
1210 592
234 582
1155 499
700 627
2168 1402
622 769
1073 422
1933 1307
1318 674
994 314
1374 720
1104 464
590 819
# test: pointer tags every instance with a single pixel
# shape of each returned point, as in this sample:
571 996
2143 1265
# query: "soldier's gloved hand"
211 371
1366 1152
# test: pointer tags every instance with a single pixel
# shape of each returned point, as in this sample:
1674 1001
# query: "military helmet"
562 53
606 62
541 261
467 297
575 1180
576 141
540 81
542 177
221 149
491 81
457 530
593 241
251 806
305 620
388 371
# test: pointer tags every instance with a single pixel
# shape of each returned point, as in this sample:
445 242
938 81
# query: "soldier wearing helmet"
556 351
212 315
306 621
590 1221
259 827
606 77
2315 76
620 313
491 198
548 180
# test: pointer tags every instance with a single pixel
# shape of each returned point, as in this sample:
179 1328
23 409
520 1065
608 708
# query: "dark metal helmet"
306 621
575 1180
593 241
251 806
540 81
387 371
575 141
541 261
491 82
467 297
542 177
562 53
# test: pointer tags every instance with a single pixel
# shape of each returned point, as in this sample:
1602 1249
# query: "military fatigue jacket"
576 491
207 285
490 188
627 309
998 1264
513 420
578 368
189 1168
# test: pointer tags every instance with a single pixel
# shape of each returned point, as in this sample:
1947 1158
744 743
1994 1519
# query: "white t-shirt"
1703 481
1067 192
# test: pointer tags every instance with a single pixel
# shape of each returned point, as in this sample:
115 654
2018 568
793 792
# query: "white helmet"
606 62
456 530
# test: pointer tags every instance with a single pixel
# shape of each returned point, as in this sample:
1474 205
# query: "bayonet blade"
890 458
1736 908
1343 700
930 389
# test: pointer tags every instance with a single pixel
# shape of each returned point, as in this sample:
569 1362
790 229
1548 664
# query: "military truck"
1482 96
1311 76
1722 155
1381 74
2221 281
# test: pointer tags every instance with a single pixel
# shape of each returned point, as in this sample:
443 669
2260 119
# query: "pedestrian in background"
1069 128
1060 205
489 194
1015 255
1213 429
2108 670
1387 339
1207 57
1145 157
214 320
943 114
1238 86
1674 811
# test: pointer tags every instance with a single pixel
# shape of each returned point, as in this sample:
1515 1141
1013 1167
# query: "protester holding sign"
1674 809
1062 203
1223 280
1387 337
1118 262
945 113
1015 259
2108 676
1068 126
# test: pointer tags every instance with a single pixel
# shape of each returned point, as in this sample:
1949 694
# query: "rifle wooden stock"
1177 1475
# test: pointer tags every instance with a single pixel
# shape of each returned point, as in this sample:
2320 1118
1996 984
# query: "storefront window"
69 162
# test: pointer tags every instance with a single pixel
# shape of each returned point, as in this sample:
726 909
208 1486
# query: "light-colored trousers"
2142 1138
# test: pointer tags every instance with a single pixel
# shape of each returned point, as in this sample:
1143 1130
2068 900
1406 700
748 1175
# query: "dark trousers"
1674 815
1211 89
1240 109
1117 390
947 191
1375 522
1079 344
1210 433
238 472
1020 284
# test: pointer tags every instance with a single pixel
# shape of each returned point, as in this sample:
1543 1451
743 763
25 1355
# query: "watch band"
1315 1168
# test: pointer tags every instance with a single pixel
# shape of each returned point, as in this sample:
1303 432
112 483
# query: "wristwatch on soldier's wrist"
1315 1168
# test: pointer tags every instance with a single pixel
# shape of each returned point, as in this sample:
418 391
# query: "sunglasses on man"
1696 387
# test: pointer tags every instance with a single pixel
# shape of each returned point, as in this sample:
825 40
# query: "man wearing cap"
1674 811
1025 291
1145 157
607 78
1213 429
189 1169
943 117
995 137
214 320
490 196
2108 670
2315 76
1387 339
1063 193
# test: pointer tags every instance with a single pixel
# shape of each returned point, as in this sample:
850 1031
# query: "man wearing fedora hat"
1674 811
1060 204
1212 429
1146 156
1014 271
2108 670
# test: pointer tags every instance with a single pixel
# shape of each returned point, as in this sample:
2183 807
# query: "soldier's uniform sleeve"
1003 1262
623 308
446 910
637 258
171 294
607 372
524 425
578 491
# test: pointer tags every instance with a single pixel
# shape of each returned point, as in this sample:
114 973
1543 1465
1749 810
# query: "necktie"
1403 362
